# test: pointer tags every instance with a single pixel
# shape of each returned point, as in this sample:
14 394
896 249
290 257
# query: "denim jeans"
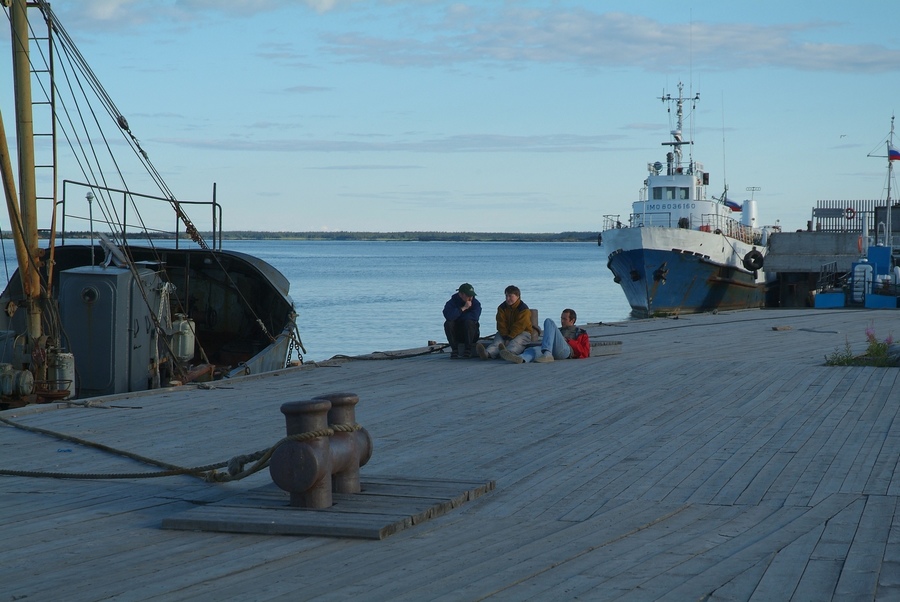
514 345
552 341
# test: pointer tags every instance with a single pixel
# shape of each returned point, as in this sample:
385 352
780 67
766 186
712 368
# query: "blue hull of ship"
669 282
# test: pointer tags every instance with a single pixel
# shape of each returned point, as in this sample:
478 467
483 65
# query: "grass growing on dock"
878 353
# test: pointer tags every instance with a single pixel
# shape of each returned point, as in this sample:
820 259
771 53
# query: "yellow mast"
24 222
9 189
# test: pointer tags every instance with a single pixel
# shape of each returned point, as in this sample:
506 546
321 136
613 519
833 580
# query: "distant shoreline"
376 236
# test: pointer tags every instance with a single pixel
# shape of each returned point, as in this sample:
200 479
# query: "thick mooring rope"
208 472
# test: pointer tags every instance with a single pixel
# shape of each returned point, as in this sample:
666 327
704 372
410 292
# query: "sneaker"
509 356
454 355
482 352
544 358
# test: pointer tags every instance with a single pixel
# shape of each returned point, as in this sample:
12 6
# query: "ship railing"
830 278
661 219
886 287
730 227
706 223
614 222
882 236
156 219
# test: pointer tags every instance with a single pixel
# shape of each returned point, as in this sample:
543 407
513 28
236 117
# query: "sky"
491 116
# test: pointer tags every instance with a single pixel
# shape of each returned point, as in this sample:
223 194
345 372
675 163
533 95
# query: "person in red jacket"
557 343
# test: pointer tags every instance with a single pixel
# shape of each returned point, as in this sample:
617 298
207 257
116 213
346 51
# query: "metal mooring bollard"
349 449
310 470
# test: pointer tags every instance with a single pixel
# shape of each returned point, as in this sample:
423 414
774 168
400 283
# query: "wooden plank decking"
385 506
714 457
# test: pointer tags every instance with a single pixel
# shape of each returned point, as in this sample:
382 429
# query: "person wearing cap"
513 326
461 314
567 341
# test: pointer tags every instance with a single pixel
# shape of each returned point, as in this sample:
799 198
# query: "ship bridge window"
675 193
671 193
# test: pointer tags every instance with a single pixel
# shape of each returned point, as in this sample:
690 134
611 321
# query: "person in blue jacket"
461 315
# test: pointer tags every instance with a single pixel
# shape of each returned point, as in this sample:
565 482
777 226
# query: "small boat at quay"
134 309
680 251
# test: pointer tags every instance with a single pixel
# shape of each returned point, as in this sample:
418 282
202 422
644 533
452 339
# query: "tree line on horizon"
368 236
421 236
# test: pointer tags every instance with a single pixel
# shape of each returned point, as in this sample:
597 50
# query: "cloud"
104 10
108 9
306 89
469 143
365 167
255 6
100 13
447 34
592 39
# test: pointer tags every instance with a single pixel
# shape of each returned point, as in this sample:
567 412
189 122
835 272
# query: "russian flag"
732 205
893 153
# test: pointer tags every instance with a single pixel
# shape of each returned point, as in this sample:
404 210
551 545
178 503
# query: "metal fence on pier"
867 217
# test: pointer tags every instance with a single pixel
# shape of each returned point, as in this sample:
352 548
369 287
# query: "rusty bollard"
310 470
349 450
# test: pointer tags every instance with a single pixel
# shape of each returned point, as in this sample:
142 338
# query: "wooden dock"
715 457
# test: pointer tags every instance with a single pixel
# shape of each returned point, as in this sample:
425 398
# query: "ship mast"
677 133
890 144
23 219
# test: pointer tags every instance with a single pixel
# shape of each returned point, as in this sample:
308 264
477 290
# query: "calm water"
357 297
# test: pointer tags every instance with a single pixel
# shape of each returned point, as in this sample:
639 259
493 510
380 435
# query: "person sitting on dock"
461 315
513 326
557 343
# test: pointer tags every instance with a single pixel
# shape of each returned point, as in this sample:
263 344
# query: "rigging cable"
77 61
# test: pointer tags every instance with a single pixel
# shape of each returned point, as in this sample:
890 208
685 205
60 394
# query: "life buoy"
850 213
753 260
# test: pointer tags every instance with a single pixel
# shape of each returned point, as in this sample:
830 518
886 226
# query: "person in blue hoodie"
461 315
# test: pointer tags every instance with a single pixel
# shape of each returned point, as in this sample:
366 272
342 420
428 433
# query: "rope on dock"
390 355
208 472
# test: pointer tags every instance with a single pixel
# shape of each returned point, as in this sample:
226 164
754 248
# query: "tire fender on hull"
753 260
